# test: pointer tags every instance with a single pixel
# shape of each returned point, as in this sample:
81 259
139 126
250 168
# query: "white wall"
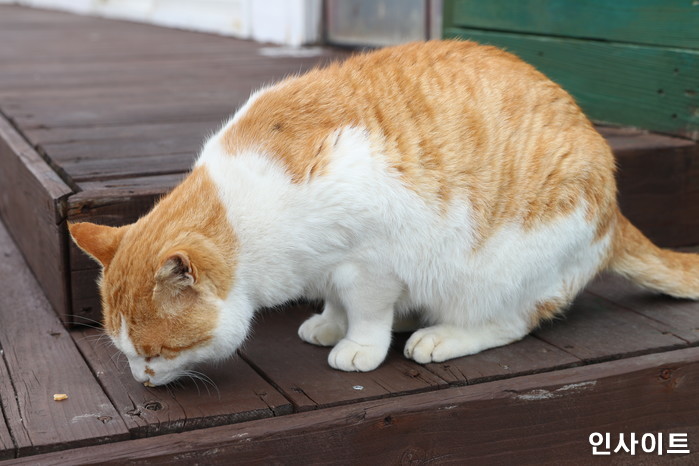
289 22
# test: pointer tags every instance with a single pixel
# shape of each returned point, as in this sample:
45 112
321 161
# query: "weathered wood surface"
658 180
537 419
7 444
670 23
528 356
309 382
235 393
32 205
597 330
644 86
41 359
679 317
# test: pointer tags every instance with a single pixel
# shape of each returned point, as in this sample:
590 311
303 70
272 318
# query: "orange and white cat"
443 179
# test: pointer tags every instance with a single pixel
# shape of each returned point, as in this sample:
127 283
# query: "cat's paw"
353 357
321 331
435 344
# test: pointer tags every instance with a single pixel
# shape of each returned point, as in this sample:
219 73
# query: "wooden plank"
11 409
7 410
246 63
32 205
312 383
239 394
528 356
181 77
648 87
22 17
658 183
145 112
671 23
536 419
187 138
104 40
119 134
124 167
680 315
85 305
42 360
596 330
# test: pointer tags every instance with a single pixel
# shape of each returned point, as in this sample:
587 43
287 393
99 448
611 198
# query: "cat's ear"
176 274
99 241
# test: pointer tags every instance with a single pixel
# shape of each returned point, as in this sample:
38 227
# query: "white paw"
319 330
434 344
353 357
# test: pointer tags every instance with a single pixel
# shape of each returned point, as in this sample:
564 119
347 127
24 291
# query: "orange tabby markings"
130 285
546 310
517 151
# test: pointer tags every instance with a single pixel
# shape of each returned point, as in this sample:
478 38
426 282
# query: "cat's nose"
139 376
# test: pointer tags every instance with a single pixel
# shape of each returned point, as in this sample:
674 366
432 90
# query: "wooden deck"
99 118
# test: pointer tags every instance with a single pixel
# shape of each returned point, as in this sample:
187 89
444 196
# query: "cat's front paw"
353 357
321 331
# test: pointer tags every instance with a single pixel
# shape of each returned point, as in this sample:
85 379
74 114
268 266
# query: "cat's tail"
634 256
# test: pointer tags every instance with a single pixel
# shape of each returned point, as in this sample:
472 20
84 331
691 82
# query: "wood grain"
116 168
536 419
644 86
7 409
101 137
681 316
528 356
185 137
42 360
239 394
594 329
670 23
32 205
658 181
310 382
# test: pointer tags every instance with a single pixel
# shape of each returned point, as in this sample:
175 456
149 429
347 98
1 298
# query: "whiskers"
100 338
205 379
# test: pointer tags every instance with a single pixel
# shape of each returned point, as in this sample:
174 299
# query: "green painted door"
629 62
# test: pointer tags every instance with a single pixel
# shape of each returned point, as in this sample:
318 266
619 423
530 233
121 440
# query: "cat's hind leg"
325 329
442 342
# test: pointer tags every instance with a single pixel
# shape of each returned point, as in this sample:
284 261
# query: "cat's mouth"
155 373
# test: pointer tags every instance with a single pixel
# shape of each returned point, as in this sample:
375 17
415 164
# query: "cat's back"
454 119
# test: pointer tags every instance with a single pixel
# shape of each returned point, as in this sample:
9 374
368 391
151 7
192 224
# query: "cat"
442 179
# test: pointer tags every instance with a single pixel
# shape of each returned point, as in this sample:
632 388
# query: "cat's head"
164 296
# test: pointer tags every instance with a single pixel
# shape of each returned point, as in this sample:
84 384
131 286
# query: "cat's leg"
369 302
325 329
442 342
